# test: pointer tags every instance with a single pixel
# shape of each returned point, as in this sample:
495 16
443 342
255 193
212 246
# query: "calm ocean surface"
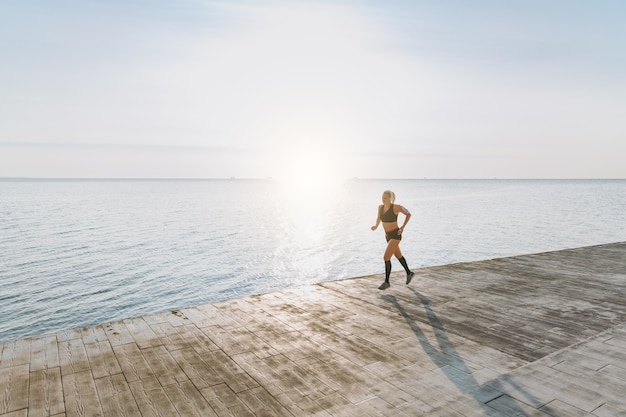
78 253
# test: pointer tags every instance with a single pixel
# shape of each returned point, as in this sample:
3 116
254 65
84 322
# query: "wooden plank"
181 337
198 371
118 333
263 404
225 402
188 400
559 408
164 367
334 370
177 318
73 357
235 340
102 359
142 333
213 368
153 319
15 352
279 374
14 383
169 335
293 344
607 410
209 315
18 413
196 339
302 405
174 318
512 407
151 399
336 405
93 334
236 378
116 397
44 353
46 393
69 334
132 362
81 397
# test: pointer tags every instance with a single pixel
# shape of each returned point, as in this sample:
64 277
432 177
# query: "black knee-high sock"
387 270
404 265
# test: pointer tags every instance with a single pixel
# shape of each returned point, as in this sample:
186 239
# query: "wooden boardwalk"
533 335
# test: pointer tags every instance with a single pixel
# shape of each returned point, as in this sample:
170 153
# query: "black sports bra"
389 216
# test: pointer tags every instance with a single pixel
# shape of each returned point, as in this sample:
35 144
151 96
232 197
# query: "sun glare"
309 180
309 175
310 171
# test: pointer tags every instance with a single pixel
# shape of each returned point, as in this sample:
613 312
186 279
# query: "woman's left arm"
407 217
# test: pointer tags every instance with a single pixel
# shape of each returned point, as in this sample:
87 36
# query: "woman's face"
386 199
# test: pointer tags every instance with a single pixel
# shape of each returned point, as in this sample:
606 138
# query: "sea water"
75 253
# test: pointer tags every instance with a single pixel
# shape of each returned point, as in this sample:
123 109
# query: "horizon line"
234 178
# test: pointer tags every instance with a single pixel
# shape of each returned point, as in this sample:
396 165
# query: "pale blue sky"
373 89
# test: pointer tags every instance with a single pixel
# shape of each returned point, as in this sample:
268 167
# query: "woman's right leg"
393 246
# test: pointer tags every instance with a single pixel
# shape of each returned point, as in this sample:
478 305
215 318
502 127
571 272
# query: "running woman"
388 215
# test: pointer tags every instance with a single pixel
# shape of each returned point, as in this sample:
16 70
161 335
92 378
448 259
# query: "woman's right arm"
377 219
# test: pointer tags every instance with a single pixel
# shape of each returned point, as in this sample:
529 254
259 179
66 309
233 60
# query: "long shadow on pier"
445 356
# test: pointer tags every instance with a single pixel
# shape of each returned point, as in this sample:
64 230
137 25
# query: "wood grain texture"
14 382
80 395
46 393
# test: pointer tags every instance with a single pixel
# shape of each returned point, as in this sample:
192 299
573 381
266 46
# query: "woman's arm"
407 217
377 219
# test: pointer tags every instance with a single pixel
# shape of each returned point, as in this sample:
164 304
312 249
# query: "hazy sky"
372 89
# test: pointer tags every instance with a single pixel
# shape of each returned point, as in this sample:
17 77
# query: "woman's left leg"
409 273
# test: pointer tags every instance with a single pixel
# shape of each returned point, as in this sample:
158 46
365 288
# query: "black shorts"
393 235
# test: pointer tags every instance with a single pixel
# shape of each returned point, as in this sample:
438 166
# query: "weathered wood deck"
532 335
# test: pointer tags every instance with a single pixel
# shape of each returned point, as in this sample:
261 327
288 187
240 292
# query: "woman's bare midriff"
391 226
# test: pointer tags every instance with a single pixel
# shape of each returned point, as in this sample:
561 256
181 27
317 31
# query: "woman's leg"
392 246
409 273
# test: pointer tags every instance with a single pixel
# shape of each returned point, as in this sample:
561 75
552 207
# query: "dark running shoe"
409 277
384 286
